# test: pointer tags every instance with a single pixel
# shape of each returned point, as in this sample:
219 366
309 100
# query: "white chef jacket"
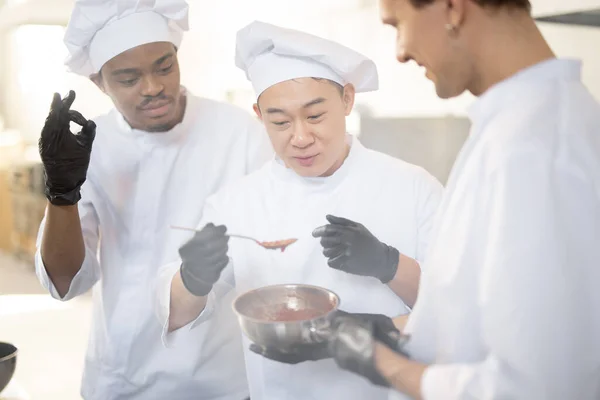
396 201
139 184
509 305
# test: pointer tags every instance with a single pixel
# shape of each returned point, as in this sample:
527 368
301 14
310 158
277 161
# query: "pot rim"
11 355
262 321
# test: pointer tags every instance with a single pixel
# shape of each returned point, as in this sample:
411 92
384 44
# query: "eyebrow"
163 58
307 105
125 71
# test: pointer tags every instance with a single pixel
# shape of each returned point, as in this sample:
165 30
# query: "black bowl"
8 363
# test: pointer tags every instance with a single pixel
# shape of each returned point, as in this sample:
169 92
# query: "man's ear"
257 111
98 81
348 98
455 14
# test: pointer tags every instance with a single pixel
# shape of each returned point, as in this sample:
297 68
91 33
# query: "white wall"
550 7
581 43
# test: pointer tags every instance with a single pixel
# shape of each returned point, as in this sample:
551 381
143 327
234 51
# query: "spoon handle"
242 237
182 228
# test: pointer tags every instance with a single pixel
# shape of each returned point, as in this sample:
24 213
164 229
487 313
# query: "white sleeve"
538 290
89 273
429 194
165 277
258 145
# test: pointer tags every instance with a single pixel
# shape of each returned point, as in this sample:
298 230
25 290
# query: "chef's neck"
510 42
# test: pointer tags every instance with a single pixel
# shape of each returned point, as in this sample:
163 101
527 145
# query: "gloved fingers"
52 120
341 317
331 242
218 260
338 262
210 235
351 340
274 355
257 349
220 266
87 134
338 314
390 336
76 117
204 252
211 230
198 243
319 231
325 230
213 245
339 220
68 101
56 105
333 230
335 251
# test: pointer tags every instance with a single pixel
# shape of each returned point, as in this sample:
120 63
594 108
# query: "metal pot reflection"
284 316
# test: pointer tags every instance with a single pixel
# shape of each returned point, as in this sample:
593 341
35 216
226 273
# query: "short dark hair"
519 4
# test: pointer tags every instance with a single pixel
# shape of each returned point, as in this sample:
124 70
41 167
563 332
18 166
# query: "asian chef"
114 188
323 188
509 306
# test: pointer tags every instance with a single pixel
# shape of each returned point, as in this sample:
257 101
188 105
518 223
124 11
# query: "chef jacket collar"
503 94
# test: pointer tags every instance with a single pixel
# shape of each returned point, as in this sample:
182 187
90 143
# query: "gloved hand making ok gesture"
203 258
66 156
350 247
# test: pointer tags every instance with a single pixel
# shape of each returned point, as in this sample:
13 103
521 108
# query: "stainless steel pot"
264 313
8 363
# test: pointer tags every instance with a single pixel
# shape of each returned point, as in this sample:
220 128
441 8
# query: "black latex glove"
301 353
66 156
203 257
350 247
353 348
384 329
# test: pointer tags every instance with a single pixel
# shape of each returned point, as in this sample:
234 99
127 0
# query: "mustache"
152 99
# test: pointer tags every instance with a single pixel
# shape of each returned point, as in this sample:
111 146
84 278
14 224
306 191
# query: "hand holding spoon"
274 245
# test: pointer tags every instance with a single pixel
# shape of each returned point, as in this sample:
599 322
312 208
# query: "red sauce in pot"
289 315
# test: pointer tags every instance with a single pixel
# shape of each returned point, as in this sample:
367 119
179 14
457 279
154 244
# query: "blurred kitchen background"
404 119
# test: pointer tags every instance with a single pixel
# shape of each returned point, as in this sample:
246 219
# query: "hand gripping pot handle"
321 331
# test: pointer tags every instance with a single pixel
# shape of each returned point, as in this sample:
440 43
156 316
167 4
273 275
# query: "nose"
302 136
402 57
401 54
151 86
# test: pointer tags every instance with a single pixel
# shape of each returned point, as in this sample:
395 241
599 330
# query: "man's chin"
309 172
158 127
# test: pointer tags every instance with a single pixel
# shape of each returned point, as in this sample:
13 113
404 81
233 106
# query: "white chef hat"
271 54
102 29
